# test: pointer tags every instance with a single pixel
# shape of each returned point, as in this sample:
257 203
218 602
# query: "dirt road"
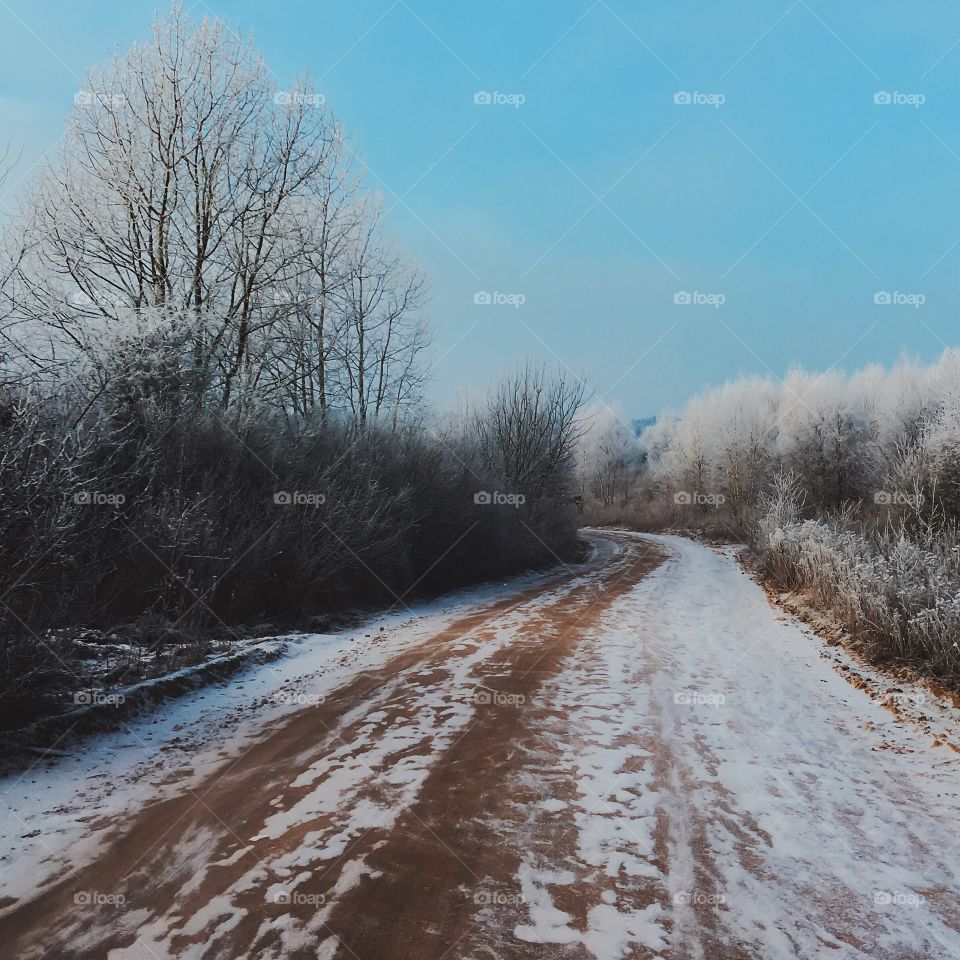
637 757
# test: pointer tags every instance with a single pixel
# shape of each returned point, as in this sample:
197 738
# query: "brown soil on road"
365 827
446 856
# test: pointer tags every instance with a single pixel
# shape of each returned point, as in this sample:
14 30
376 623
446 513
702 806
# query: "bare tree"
382 335
529 431
182 171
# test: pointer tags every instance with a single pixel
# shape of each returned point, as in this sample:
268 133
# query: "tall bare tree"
529 430
382 338
191 192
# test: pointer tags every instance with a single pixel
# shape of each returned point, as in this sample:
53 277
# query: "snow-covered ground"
799 817
618 763
58 812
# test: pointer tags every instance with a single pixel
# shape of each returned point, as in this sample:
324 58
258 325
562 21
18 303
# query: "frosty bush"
896 592
209 521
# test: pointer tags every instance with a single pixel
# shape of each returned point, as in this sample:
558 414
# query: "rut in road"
263 858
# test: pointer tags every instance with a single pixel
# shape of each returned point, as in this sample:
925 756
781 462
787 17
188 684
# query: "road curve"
635 758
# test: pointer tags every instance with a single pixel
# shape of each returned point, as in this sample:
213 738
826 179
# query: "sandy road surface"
634 758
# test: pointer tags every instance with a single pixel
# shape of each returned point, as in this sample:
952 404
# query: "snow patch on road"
610 932
731 791
793 822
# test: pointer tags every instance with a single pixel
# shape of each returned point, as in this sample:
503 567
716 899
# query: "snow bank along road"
638 757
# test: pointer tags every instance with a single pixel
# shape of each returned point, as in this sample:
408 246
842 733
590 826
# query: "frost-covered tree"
939 445
609 456
189 187
378 362
893 433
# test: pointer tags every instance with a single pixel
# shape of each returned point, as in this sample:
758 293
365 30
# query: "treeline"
878 439
847 487
610 465
216 520
214 360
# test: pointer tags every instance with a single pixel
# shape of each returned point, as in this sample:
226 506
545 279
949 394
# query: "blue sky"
599 200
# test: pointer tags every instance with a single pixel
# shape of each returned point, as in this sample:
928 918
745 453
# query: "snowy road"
638 757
